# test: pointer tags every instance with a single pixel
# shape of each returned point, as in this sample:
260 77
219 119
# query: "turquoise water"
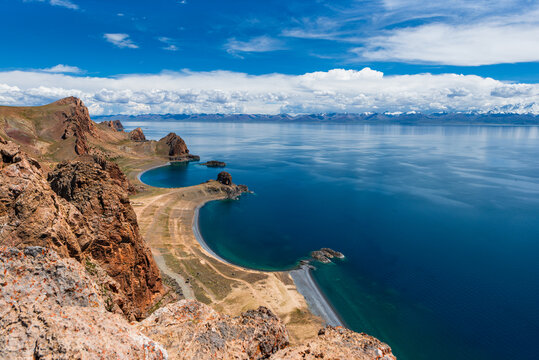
439 225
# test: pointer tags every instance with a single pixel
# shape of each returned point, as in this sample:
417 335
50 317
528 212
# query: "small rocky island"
214 164
325 255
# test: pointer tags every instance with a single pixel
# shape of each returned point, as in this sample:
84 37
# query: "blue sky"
113 39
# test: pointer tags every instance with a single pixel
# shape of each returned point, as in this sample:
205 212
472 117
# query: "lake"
439 224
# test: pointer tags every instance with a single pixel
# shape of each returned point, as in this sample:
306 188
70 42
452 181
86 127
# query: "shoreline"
314 296
317 302
285 291
200 239
148 169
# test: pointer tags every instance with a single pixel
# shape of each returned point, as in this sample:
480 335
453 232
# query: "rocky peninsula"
95 264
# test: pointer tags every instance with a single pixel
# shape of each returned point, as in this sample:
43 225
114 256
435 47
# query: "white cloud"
120 40
451 32
63 3
66 69
337 90
466 45
256 44
170 44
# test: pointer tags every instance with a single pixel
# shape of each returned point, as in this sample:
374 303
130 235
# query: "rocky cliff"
81 210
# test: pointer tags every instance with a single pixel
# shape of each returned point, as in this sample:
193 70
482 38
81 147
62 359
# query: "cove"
439 224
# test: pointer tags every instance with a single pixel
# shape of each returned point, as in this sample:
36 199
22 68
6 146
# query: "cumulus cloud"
120 40
65 69
256 44
337 90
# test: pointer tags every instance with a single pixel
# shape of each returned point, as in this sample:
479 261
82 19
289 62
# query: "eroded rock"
84 213
191 330
338 343
51 309
137 135
114 124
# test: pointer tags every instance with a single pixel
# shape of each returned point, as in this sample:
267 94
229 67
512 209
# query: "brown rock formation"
338 343
115 243
77 123
177 146
176 149
137 135
113 124
224 178
191 330
51 309
82 212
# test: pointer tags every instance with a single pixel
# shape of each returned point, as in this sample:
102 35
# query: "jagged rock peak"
77 123
113 124
137 135
70 100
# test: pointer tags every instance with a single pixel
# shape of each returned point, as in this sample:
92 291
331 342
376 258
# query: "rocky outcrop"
233 191
115 242
338 343
51 309
177 149
82 211
214 164
113 124
176 145
325 255
137 135
114 172
191 330
224 178
77 123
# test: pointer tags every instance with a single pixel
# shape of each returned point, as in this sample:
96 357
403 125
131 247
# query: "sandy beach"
168 219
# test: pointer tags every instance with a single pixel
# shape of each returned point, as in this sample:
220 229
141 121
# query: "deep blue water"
439 225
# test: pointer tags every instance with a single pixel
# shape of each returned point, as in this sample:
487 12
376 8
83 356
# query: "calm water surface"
439 225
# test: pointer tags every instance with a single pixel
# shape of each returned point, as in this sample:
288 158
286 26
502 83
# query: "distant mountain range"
367 118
